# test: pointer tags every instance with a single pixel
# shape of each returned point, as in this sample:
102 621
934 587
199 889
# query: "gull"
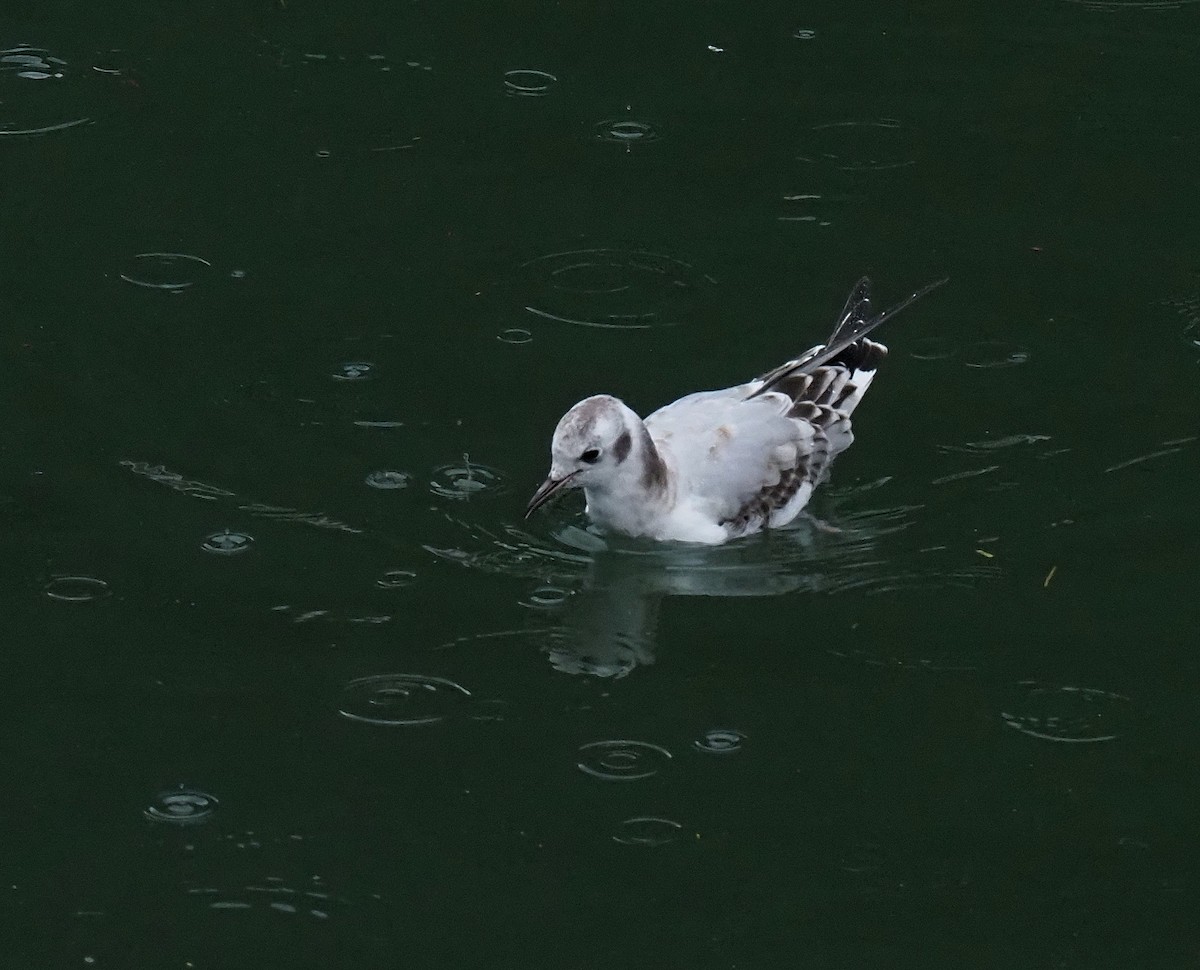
718 465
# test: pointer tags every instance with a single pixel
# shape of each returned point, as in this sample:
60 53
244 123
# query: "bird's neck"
635 499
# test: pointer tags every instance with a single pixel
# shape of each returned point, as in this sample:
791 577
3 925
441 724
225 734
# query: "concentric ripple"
622 760
182 806
465 480
720 741
227 543
625 131
171 272
528 83
515 336
402 700
1075 715
396 579
353 370
388 479
547 597
76 589
872 145
31 63
648 830
41 93
611 288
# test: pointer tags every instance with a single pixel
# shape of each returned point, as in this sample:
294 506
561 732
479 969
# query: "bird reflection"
604 622
608 626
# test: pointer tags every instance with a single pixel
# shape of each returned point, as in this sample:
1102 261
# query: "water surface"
294 300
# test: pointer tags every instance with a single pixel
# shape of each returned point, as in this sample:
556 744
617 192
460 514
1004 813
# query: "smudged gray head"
591 443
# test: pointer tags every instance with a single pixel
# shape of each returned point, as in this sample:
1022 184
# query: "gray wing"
741 460
754 453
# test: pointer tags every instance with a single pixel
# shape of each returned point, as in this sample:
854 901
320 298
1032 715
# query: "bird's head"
592 442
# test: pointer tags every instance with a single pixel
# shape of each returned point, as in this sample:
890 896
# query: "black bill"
546 491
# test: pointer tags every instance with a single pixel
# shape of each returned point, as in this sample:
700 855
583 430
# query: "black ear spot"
621 447
591 456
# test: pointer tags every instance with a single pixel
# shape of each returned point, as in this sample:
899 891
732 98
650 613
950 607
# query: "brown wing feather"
758 510
824 400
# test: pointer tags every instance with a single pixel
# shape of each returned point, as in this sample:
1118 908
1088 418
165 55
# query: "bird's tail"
836 374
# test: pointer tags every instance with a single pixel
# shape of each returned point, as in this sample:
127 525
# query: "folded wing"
746 463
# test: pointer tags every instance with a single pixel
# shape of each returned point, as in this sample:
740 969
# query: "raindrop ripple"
182 806
622 760
612 289
401 700
720 741
227 543
171 272
76 589
647 830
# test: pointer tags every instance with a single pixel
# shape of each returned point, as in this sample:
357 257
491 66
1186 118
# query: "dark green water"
411 730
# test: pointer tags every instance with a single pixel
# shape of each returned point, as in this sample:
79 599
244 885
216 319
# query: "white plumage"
716 465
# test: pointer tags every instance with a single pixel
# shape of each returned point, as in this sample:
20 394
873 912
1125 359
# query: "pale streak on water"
958 476
1161 453
211 493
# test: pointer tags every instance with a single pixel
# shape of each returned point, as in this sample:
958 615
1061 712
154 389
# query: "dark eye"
591 456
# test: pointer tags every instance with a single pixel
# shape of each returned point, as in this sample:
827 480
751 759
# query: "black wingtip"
854 323
855 326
